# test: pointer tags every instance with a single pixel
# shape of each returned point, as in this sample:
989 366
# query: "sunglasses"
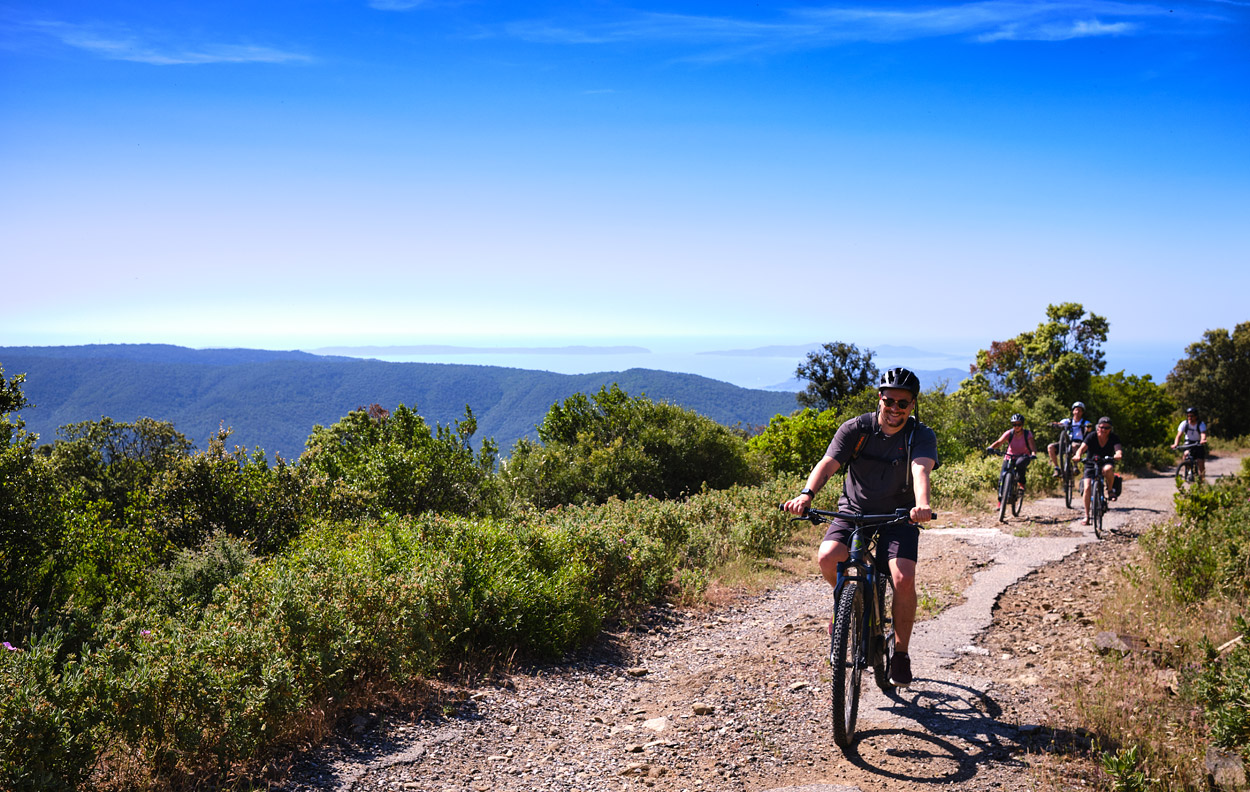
902 404
1104 426
1018 425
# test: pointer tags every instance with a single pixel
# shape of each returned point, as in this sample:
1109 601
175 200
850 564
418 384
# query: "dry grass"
1140 700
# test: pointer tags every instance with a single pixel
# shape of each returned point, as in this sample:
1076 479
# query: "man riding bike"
1104 443
1078 429
1193 430
889 455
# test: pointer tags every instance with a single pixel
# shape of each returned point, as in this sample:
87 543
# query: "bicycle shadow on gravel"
960 734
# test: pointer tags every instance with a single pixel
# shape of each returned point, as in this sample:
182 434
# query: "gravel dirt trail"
737 698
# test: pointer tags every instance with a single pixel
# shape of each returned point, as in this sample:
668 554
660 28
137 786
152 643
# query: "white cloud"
395 5
118 44
988 21
1060 32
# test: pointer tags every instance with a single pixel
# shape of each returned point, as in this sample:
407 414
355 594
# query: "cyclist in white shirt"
1078 429
1193 430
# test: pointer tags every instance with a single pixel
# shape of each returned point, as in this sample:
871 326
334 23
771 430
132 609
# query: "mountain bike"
861 635
1067 469
1010 489
1098 504
1187 470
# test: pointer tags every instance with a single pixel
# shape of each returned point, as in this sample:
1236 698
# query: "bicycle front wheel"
844 656
1017 500
885 649
1069 481
1004 495
1099 505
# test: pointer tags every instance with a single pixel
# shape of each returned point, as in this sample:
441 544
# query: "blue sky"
306 174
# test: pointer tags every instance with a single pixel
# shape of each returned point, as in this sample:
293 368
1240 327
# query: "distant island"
443 349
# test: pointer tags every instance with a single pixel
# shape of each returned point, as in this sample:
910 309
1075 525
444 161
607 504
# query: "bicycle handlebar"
1187 446
818 516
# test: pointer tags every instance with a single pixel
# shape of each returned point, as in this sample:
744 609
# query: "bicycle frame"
1187 470
1098 497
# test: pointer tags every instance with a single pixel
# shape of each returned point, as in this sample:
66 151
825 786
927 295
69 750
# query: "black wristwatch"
808 492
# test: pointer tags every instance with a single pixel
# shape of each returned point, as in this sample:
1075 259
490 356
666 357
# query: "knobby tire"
1100 505
1017 500
843 654
1004 493
881 656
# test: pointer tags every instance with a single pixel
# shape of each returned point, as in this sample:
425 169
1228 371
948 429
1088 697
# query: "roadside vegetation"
174 618
1157 716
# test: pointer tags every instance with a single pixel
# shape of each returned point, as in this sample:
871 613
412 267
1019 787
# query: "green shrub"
615 446
194 575
1223 690
966 482
792 444
392 462
49 724
1207 549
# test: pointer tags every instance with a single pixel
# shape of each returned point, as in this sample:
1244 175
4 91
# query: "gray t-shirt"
877 481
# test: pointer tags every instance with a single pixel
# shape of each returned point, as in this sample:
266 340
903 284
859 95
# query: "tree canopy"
1057 358
1214 377
834 373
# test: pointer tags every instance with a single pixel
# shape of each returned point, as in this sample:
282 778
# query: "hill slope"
272 400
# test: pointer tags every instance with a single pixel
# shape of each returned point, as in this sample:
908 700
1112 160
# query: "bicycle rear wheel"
844 655
1069 484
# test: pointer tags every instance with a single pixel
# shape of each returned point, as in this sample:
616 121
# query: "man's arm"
1119 452
1080 450
820 474
921 468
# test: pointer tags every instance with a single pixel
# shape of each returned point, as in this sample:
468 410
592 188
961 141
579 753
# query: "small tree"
1058 358
30 526
1214 377
612 445
393 462
834 373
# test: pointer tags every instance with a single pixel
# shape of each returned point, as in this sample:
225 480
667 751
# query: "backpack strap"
864 433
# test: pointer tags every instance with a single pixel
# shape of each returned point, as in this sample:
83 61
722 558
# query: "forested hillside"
272 400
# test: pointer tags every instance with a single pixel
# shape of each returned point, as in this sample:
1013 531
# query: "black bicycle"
1187 470
1011 488
1067 468
1098 503
861 634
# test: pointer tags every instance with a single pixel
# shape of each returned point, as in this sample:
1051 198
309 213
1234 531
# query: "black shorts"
897 541
1198 452
1093 468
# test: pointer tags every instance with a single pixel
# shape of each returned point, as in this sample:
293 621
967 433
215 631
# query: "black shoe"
900 670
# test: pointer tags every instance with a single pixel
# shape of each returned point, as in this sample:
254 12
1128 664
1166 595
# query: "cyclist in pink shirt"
1021 448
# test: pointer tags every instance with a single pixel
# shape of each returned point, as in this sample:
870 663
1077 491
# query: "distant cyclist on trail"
1078 429
1194 430
1103 443
1021 448
889 455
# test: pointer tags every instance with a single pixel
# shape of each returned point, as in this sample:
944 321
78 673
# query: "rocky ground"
737 698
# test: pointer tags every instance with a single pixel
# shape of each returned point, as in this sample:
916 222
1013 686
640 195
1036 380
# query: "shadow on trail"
958 733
